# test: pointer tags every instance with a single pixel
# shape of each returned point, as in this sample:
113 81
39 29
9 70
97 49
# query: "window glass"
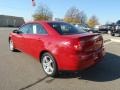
24 29
40 29
30 29
33 29
27 29
65 28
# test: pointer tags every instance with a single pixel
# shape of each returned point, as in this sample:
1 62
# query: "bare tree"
43 13
93 21
74 16
83 17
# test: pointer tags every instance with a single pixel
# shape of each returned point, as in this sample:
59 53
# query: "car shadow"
32 84
107 70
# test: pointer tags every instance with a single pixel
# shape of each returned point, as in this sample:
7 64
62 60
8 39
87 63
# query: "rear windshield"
65 28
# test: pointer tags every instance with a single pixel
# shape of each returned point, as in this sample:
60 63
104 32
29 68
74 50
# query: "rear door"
40 37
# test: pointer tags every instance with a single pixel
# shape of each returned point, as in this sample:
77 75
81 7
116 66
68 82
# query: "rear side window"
65 28
38 29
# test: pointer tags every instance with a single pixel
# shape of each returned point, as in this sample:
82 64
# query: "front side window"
26 29
65 28
30 29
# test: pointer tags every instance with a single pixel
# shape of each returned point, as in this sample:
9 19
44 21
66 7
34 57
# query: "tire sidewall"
11 42
55 71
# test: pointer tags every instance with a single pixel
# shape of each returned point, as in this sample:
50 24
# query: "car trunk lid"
89 42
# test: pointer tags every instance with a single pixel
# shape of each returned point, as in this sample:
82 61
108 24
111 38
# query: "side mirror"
17 31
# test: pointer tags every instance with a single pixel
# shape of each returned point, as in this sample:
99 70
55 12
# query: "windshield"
65 28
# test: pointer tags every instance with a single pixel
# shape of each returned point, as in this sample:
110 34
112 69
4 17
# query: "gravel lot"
19 71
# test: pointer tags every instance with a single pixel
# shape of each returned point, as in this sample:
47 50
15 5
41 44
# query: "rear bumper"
80 62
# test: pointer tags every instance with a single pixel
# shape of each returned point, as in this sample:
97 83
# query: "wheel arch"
9 39
45 51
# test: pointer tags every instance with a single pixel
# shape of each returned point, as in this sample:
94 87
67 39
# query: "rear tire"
112 34
49 65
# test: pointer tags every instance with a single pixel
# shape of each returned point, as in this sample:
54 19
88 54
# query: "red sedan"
58 45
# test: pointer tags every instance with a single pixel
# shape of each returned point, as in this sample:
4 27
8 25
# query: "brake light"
79 45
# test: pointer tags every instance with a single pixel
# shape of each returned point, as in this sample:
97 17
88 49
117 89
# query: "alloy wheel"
11 47
48 65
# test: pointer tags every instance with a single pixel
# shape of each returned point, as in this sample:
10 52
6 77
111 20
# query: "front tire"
49 65
11 46
112 34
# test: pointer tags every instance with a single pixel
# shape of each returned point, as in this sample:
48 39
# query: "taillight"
79 45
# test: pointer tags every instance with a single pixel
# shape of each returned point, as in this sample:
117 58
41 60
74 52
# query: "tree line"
73 15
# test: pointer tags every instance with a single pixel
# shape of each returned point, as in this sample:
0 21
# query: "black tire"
112 34
53 65
119 34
